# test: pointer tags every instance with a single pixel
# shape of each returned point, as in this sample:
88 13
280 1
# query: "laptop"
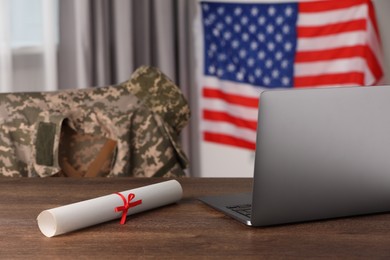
320 153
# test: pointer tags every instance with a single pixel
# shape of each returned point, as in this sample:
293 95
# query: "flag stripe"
329 67
230 87
332 41
370 53
333 16
373 64
354 78
321 6
315 31
372 19
246 113
374 46
226 117
329 54
229 129
228 140
230 98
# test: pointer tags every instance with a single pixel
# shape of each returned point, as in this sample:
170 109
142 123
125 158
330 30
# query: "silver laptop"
320 153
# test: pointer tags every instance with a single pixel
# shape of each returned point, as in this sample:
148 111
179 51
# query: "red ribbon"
126 205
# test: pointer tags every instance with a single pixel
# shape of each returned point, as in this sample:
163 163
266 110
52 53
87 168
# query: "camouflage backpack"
130 129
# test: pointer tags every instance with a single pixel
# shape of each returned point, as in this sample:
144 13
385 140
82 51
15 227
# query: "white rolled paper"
64 219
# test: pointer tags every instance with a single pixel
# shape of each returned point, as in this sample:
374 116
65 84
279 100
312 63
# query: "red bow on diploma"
126 205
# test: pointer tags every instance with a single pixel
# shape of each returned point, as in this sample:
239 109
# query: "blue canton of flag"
250 43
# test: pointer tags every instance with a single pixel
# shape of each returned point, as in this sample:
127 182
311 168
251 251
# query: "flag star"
237 28
254 11
261 37
252 28
288 11
216 32
244 20
212 69
261 20
268 63
285 81
220 10
220 72
227 35
210 53
212 17
242 53
237 11
258 72
206 7
251 62
275 73
271 11
279 20
235 44
266 80
271 46
254 45
220 26
251 79
278 55
284 64
245 37
231 67
270 28
228 19
286 29
222 57
278 37
288 46
213 47
261 55
240 75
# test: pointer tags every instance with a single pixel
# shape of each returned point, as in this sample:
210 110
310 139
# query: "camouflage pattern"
133 126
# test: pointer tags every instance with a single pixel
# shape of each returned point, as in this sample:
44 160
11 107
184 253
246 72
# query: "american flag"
247 47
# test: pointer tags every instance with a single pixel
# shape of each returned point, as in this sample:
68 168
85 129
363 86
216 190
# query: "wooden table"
188 229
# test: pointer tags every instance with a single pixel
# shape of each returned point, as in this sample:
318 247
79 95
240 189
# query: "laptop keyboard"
244 209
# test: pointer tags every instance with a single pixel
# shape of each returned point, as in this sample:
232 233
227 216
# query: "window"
28 39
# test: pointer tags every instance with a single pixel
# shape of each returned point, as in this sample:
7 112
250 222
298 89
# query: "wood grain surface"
187 229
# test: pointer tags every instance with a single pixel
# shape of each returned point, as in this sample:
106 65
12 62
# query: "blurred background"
49 45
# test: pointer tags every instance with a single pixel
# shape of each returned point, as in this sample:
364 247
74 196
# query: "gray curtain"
103 41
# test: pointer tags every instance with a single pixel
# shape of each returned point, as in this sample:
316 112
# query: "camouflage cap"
161 95
163 98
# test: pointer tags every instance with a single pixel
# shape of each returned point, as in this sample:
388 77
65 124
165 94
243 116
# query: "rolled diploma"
60 220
